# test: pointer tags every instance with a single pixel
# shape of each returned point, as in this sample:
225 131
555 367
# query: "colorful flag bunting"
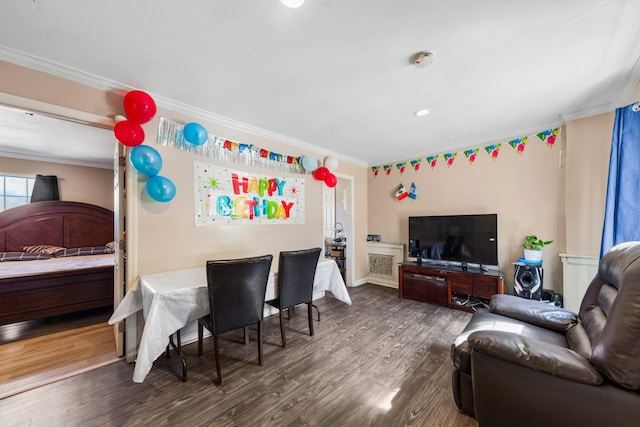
471 155
519 144
493 150
432 160
549 136
375 170
449 158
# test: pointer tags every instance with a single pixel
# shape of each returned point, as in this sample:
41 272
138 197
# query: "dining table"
170 300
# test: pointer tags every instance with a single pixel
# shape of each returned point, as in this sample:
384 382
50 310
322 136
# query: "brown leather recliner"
526 363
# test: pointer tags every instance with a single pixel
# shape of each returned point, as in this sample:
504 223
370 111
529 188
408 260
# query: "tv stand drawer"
447 287
425 288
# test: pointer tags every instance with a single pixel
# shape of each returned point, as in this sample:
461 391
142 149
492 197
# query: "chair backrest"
237 288
296 273
610 314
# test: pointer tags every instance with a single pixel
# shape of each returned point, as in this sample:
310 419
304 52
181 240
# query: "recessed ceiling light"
422 113
292 3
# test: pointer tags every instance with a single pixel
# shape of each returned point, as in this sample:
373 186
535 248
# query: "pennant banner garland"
432 160
449 158
471 155
548 136
518 144
401 167
493 150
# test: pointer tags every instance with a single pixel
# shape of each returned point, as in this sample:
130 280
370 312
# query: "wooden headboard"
60 223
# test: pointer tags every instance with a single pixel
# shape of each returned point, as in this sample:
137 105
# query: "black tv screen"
458 238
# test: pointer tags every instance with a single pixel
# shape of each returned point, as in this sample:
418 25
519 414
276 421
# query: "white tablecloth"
171 300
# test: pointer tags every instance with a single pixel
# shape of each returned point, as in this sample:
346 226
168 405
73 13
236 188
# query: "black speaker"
527 281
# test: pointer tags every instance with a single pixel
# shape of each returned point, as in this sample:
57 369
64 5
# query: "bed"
78 276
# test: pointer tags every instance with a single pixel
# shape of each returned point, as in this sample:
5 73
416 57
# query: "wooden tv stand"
448 286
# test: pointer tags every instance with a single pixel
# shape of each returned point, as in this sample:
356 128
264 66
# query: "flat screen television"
463 239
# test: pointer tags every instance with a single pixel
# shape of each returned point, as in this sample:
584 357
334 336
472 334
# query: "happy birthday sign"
229 196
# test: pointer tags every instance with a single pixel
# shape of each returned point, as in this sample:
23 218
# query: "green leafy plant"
533 243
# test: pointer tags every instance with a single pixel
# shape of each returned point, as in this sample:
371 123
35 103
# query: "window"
15 191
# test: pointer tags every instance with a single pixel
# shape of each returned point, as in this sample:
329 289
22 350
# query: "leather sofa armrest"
537 355
534 312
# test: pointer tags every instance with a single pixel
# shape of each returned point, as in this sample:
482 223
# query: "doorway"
77 141
338 218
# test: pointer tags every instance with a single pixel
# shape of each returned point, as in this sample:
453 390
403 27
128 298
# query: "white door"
329 216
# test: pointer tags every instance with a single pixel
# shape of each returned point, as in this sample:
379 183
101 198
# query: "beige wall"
587 168
75 183
162 236
166 234
526 191
557 193
39 86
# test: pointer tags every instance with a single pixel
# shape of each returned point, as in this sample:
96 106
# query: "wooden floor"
381 362
38 352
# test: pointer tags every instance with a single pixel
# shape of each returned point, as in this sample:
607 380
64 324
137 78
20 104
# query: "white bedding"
29 268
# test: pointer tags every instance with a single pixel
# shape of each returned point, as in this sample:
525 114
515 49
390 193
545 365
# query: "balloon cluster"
322 173
140 109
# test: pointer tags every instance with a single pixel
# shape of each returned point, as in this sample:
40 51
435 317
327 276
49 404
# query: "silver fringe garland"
170 135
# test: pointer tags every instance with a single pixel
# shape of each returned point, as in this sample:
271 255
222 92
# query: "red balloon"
139 106
331 180
129 133
320 173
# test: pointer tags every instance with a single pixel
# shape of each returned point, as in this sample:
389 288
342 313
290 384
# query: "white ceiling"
29 135
335 74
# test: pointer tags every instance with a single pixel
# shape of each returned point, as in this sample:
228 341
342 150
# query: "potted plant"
533 247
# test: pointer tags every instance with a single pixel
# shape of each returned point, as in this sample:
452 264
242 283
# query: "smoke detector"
421 59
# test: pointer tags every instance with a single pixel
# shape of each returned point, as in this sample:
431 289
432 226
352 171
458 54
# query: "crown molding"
44 158
98 82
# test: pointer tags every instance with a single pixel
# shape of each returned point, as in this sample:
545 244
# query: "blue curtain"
622 210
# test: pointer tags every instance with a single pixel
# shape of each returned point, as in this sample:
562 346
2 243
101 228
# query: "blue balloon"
161 189
309 163
146 160
195 133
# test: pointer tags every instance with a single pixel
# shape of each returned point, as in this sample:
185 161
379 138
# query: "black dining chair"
237 289
296 273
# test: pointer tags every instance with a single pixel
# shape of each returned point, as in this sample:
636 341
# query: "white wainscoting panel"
577 273
382 263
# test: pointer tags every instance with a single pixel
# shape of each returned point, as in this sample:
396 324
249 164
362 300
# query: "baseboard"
359 282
